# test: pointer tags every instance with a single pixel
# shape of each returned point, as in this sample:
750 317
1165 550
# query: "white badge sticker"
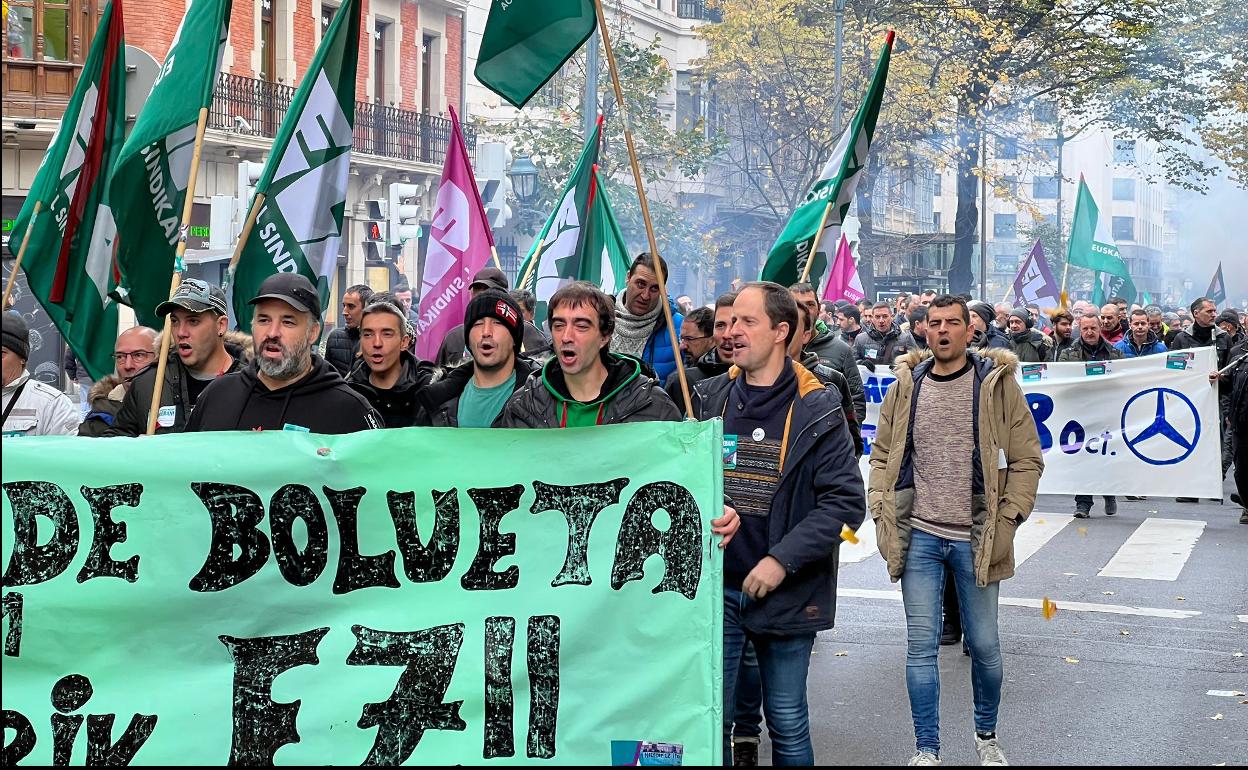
1002 462
759 434
166 415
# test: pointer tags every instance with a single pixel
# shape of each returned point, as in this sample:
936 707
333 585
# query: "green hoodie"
579 414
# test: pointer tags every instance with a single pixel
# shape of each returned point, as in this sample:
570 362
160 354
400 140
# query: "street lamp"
524 178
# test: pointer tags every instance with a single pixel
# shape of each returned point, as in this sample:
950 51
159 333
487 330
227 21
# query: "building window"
53 20
1124 151
1124 228
1045 112
1044 188
1047 149
936 220
1007 148
268 46
1007 187
688 102
327 15
1005 226
936 183
1124 189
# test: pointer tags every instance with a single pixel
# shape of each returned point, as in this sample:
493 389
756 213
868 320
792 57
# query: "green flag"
835 185
69 259
149 181
581 240
1217 287
525 42
1092 246
305 179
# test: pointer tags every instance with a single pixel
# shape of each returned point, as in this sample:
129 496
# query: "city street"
1126 672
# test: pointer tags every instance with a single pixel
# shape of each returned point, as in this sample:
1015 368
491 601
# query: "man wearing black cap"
454 352
31 407
473 395
199 352
1028 344
388 375
287 386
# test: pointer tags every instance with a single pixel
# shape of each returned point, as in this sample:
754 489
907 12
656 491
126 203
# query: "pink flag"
459 246
843 281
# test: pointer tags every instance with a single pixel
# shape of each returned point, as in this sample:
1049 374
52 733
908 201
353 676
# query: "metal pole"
1061 150
983 217
589 112
840 36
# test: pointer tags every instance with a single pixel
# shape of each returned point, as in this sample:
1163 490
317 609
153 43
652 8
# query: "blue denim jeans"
922 589
748 719
783 662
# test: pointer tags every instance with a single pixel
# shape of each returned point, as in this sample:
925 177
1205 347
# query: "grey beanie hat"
16 334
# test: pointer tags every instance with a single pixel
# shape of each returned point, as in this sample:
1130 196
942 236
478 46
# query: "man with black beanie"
473 395
31 407
1028 344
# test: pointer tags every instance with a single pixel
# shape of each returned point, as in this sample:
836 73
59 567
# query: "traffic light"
493 163
403 217
249 172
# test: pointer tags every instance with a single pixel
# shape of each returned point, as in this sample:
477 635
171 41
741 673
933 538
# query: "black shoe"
952 634
966 650
1082 513
1186 500
1111 507
745 752
1243 516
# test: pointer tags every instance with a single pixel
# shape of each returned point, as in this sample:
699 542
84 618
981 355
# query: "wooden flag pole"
541 245
21 254
257 203
1063 296
184 227
494 254
645 210
810 260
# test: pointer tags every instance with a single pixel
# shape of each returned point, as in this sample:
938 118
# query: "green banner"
512 596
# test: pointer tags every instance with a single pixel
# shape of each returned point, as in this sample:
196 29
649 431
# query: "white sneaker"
924 758
990 752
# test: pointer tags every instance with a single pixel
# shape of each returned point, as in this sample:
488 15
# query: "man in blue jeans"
795 484
954 471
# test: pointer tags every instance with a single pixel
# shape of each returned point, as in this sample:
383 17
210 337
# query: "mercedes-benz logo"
1167 438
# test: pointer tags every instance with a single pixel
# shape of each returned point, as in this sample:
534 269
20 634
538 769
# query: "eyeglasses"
139 356
683 338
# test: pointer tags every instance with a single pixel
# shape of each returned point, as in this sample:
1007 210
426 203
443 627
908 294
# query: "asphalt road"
1138 693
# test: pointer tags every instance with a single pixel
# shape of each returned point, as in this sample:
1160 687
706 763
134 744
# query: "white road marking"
1113 609
1243 618
1035 532
1156 550
851 553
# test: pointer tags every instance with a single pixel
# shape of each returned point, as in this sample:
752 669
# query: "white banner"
1143 426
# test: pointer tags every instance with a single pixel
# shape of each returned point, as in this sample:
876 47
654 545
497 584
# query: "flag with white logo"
304 182
69 258
459 246
1034 283
1092 246
149 181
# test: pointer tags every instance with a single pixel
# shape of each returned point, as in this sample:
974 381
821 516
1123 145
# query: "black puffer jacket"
131 419
638 397
440 401
834 379
399 406
1237 383
836 354
342 348
105 398
320 402
820 490
873 348
704 368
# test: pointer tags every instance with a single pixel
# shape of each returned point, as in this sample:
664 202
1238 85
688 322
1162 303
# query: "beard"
293 361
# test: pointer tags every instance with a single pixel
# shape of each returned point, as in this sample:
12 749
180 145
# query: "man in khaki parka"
954 470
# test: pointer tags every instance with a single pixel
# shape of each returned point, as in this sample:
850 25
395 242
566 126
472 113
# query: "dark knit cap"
1022 315
498 305
16 335
1228 316
984 310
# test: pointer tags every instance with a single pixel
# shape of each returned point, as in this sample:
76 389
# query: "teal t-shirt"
478 407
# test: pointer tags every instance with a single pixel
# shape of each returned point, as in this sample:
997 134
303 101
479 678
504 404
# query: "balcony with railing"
252 107
699 10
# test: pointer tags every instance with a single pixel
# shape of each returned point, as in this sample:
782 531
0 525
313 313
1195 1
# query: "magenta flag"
459 245
843 281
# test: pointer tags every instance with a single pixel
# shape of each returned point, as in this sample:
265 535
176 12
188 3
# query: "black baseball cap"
293 289
196 296
489 278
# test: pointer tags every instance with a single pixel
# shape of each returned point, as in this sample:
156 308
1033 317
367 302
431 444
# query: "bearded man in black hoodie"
287 386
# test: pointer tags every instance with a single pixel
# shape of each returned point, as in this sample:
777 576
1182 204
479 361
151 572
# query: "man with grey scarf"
640 328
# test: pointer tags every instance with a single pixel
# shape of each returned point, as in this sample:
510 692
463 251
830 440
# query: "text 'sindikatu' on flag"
459 246
525 42
1092 246
581 240
304 183
837 181
149 182
69 258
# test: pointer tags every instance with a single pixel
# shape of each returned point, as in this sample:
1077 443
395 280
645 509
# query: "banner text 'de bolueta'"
287 597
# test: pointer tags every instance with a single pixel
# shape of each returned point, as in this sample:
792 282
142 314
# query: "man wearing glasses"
134 350
198 354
